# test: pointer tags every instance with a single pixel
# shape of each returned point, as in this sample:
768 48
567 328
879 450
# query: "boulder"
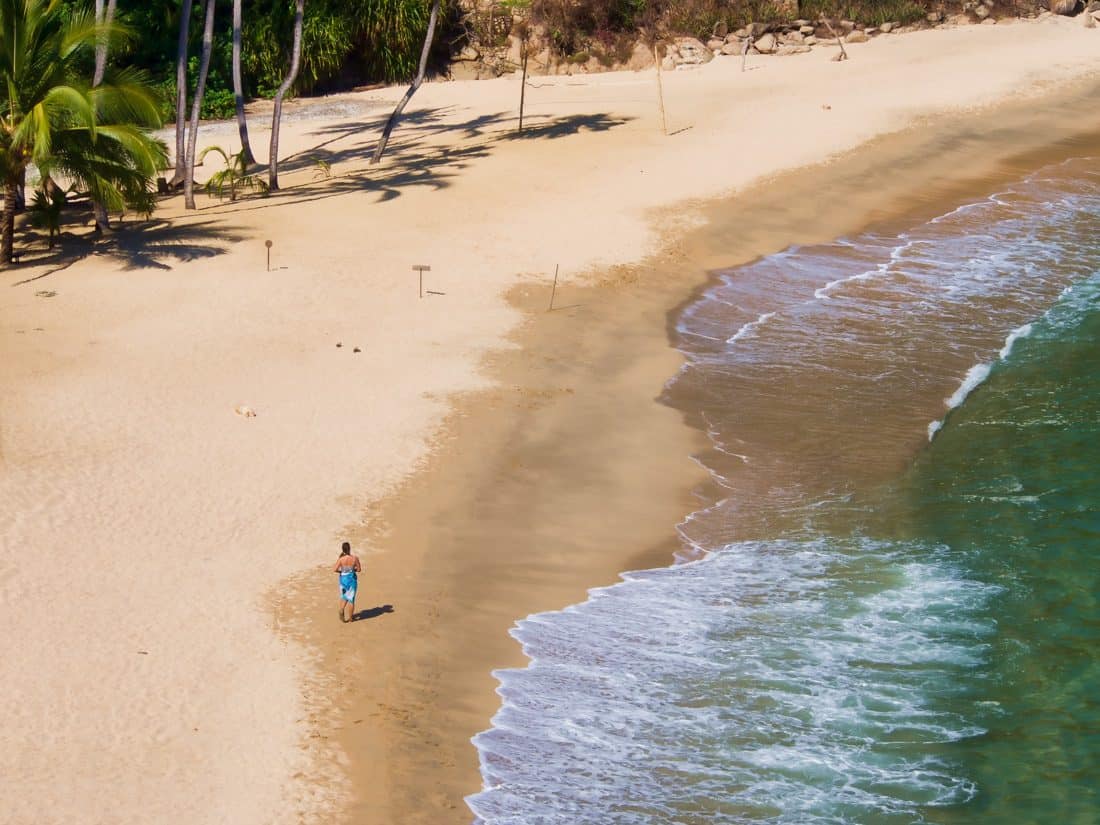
1063 6
982 12
515 50
886 28
668 64
758 29
692 52
792 48
989 21
810 41
847 25
732 48
765 44
1088 21
806 29
793 37
934 16
714 44
468 53
856 36
641 57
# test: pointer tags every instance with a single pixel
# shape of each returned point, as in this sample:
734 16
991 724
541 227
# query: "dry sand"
148 529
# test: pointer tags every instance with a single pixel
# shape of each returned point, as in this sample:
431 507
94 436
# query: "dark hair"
345 549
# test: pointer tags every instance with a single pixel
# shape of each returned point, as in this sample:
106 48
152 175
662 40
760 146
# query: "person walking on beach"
348 567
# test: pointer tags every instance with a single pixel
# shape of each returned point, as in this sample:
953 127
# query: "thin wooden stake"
523 85
745 51
555 289
660 91
839 42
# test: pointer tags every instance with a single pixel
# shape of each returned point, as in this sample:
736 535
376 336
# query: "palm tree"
92 137
102 16
238 87
395 116
196 107
181 92
284 87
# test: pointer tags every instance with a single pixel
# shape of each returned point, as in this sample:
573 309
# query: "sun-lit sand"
147 526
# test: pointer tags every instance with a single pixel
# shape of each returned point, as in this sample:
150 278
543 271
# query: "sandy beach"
487 458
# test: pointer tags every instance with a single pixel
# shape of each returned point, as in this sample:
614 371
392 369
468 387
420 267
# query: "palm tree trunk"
196 106
181 91
103 17
7 235
392 122
238 91
284 87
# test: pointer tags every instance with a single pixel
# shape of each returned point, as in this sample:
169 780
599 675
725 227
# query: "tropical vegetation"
73 135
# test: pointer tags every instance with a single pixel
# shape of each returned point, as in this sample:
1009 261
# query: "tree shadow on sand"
413 159
152 244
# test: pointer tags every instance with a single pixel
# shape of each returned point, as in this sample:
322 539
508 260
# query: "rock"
757 29
1095 15
740 34
714 44
1088 21
765 44
810 41
856 36
805 29
886 28
1094 5
732 48
989 21
847 25
989 4
514 54
1063 6
641 57
801 23
668 64
468 53
934 16
793 37
244 411
982 12
836 58
792 49
692 52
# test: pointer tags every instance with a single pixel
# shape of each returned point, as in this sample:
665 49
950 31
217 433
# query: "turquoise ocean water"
890 615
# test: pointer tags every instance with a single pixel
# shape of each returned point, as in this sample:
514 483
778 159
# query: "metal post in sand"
421 268
554 290
268 244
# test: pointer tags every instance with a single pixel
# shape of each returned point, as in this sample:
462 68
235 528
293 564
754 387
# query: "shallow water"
890 614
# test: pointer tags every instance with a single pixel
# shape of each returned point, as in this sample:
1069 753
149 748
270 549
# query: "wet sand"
576 467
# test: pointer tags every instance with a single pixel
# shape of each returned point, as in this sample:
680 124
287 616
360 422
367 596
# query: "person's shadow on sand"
372 613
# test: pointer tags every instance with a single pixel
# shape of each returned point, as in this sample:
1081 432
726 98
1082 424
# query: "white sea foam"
751 327
1016 334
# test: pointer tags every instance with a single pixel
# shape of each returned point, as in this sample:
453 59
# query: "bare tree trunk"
7 236
196 106
238 90
284 87
392 122
103 17
181 92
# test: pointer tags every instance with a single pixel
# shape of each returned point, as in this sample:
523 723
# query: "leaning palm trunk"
392 122
284 87
196 107
106 18
238 87
181 92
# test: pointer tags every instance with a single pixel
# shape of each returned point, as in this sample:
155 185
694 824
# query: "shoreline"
121 373
637 311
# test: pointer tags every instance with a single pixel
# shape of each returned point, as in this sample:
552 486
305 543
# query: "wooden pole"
555 289
745 51
660 91
523 85
839 42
